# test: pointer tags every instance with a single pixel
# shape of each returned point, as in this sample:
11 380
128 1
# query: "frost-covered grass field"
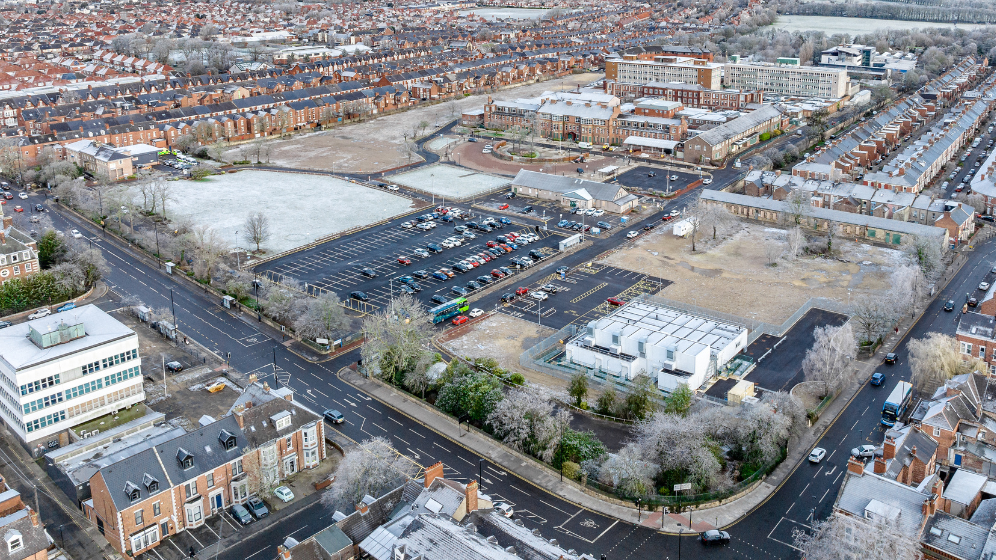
448 181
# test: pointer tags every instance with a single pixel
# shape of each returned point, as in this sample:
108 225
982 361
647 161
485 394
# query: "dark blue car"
877 378
439 276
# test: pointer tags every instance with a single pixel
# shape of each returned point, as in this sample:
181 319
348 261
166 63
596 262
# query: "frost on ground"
301 208
734 276
449 181
376 145
504 338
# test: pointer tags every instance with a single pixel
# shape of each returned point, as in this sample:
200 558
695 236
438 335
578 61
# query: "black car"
414 286
715 536
174 367
485 228
652 174
484 279
439 299
535 254
890 358
510 195
359 295
562 269
334 417
460 267
434 248
368 272
949 306
604 225
420 274
501 239
39 208
527 209
406 289
496 252
505 270
505 298
460 290
474 285
472 225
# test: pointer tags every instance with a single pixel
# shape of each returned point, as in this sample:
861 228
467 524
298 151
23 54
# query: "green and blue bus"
897 403
449 309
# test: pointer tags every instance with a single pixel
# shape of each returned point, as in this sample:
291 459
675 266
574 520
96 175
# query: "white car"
43 312
76 233
486 151
674 177
475 313
392 187
983 286
538 295
425 225
504 509
632 234
706 181
674 213
598 213
407 225
817 455
23 196
589 212
284 493
447 244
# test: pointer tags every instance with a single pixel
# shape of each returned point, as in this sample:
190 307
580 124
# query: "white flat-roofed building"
672 347
784 79
64 369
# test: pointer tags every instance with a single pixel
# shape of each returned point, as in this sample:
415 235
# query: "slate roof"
955 536
528 545
562 184
203 444
131 470
259 428
964 486
34 538
439 537
739 125
858 491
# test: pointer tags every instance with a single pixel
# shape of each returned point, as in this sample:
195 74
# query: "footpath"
720 514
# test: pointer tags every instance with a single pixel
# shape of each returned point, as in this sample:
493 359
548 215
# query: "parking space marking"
589 292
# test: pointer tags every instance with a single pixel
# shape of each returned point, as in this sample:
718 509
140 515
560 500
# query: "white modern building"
62 370
673 347
788 79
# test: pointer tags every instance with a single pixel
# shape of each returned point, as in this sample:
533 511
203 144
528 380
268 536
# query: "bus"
897 403
449 309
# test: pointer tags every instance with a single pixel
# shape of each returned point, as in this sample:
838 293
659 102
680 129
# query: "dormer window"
150 483
14 540
133 492
227 440
281 420
185 459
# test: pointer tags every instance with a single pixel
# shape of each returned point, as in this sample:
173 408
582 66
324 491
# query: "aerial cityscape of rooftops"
497 280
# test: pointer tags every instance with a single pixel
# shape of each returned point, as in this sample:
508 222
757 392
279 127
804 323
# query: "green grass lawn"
113 420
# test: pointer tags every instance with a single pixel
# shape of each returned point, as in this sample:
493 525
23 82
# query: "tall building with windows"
788 79
62 370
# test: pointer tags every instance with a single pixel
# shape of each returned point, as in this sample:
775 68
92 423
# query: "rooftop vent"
61 334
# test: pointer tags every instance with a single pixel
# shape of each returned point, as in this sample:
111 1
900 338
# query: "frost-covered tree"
396 339
842 537
827 360
676 443
527 421
936 358
321 317
373 468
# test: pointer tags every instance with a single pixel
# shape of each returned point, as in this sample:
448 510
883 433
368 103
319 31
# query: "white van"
584 145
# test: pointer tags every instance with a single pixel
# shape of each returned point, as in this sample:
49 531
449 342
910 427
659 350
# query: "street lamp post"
638 510
238 262
158 257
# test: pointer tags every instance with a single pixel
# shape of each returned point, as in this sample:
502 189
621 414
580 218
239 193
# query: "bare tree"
925 253
321 317
772 251
796 239
936 358
396 338
908 286
798 207
873 316
257 226
826 362
373 468
842 537
162 190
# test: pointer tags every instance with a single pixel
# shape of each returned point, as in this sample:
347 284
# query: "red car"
497 273
503 207
615 301
521 291
8 196
460 319
667 218
512 236
404 260
485 257
18 209
491 244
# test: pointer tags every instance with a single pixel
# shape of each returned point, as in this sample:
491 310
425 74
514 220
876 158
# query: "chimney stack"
470 492
889 447
855 466
879 465
34 518
433 472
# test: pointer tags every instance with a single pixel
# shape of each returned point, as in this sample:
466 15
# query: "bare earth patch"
375 145
504 338
732 275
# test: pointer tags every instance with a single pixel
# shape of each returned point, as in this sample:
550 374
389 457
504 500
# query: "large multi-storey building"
689 95
788 79
630 69
62 370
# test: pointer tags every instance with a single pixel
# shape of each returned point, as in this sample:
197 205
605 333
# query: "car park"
715 536
174 367
257 507
358 295
240 513
333 416
863 452
284 493
817 455
877 378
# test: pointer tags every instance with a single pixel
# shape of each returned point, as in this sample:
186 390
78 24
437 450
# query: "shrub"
765 136
517 379
571 470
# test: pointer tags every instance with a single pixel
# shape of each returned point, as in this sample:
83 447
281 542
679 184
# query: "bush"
517 379
765 136
571 470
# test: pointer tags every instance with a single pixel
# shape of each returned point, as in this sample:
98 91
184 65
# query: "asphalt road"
766 530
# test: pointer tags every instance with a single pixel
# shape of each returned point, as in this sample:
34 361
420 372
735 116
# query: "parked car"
474 285
877 378
817 455
241 514
504 509
604 225
863 451
5 324
368 272
527 209
440 275
65 307
257 507
460 291
538 295
439 299
174 367
358 295
283 492
434 248
632 234
521 291
420 252
549 288
972 302
404 261
420 274
475 312
715 536
562 269
460 319
615 301
507 298
43 312
503 206
334 417
22 196
484 279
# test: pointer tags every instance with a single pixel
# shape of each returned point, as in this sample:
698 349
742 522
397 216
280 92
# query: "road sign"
680 487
